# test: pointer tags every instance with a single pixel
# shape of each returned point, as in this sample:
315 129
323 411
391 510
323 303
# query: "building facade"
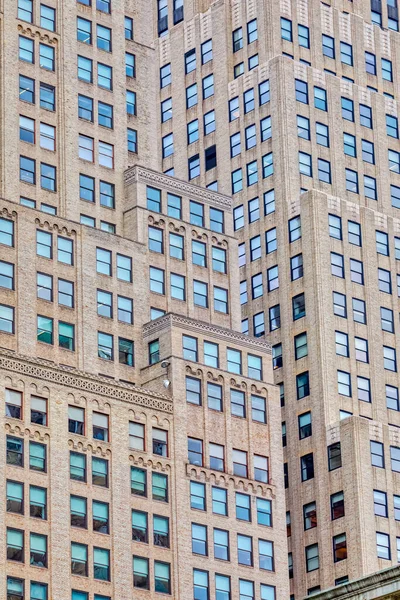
187 189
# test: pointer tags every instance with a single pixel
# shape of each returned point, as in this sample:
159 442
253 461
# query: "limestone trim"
227 480
200 327
73 378
137 173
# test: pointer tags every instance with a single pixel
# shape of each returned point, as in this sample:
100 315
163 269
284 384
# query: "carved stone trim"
137 173
227 480
145 461
36 33
201 327
83 381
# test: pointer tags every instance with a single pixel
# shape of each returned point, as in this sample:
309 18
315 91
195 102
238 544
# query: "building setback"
198 201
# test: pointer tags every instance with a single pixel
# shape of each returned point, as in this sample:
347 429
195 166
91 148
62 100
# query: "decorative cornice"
227 480
85 382
201 327
136 173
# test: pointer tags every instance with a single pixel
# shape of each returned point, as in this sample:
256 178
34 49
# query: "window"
15 497
328 46
361 348
214 396
261 472
78 511
384 281
368 153
346 53
339 547
380 504
191 95
130 65
237 38
303 33
48 179
305 425
195 451
320 99
26 49
77 466
141 573
38 502
246 590
27 170
238 403
309 516
348 109
300 346
383 545
15 545
312 558
370 63
356 271
258 409
165 75
298 307
334 456
13 404
337 506
103 38
303 127
377 454
200 585
296 267
128 28
301 91
277 359
46 57
27 89
392 397
286 30
396 506
104 78
239 460
199 539
38 550
245 550
307 467
305 164
248 100
200 294
48 96
243 511
26 130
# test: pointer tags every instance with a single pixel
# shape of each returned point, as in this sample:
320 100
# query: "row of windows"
217 460
251 136
214 397
47 133
176 250
222 547
197 215
27 93
234 362
329 49
178 290
162 11
248 590
357 272
84 34
355 236
27 53
249 100
48 173
274 314
47 17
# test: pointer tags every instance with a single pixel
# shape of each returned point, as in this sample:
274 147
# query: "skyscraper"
165 159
